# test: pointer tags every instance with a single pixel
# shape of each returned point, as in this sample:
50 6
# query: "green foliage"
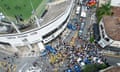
92 39
105 9
94 67
19 7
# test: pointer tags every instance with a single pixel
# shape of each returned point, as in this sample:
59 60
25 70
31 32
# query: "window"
101 26
50 33
107 39
103 34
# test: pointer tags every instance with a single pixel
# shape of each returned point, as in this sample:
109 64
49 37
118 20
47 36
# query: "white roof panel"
115 3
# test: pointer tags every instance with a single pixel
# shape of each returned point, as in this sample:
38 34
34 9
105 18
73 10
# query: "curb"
111 55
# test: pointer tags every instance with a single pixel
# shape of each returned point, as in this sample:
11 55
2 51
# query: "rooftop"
112 26
116 11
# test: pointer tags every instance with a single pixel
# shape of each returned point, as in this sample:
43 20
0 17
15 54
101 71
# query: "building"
109 31
102 2
115 3
109 27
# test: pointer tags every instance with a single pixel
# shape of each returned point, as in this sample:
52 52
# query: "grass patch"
21 8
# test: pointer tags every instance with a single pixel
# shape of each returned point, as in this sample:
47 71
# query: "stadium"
33 26
22 8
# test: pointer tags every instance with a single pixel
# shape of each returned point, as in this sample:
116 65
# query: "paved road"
112 60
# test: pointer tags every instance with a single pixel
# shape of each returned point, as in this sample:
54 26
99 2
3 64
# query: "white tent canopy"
83 14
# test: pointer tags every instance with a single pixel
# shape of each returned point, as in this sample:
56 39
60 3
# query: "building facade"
109 27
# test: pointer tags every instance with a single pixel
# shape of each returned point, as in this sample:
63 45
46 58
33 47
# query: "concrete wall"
102 41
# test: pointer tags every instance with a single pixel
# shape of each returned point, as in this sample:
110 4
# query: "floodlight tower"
33 12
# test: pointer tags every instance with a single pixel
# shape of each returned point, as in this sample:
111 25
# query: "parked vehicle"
77 10
81 28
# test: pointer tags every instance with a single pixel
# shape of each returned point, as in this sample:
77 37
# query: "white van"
77 9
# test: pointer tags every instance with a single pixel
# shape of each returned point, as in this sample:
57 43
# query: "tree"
94 67
105 9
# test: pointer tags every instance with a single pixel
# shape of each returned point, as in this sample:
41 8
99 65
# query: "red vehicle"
91 3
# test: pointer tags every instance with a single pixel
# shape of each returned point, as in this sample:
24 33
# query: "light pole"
33 12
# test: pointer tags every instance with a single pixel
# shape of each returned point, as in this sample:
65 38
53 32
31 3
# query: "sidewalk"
109 53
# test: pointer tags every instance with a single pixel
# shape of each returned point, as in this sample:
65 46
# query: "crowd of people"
69 55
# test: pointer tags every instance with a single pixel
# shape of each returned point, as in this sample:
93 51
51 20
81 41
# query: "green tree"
91 39
94 67
105 9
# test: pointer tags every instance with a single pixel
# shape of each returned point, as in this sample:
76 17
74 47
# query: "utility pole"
33 12
16 28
